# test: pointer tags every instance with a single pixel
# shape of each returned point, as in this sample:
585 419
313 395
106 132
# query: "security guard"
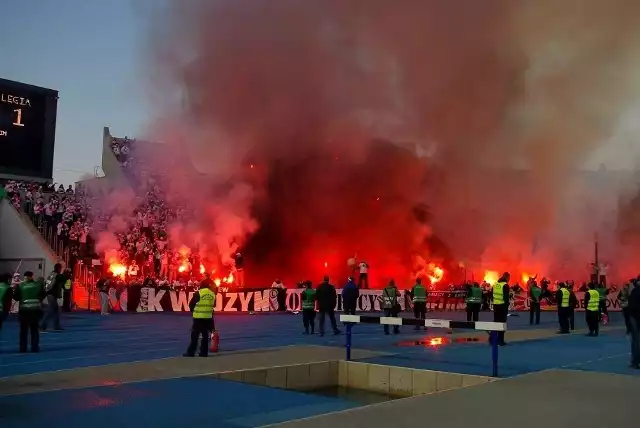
534 302
474 301
573 302
623 297
201 305
419 298
5 297
562 297
500 293
592 312
390 305
604 312
29 294
309 308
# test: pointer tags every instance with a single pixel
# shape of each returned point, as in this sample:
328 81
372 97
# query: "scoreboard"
27 130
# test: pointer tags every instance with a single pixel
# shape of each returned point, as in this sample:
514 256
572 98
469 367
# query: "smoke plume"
450 130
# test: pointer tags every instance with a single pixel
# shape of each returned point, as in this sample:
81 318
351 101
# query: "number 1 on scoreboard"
18 121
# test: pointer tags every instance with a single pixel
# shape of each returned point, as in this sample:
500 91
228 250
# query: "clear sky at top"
88 50
91 51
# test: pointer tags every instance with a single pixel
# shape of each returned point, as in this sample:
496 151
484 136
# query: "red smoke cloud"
354 113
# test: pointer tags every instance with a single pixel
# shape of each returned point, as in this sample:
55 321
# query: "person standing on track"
29 294
6 294
563 297
309 308
419 298
473 301
201 305
390 305
350 295
634 323
573 302
604 312
592 309
327 299
53 289
534 301
500 294
623 297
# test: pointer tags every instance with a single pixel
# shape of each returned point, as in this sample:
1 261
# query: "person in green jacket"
474 301
309 307
623 298
534 301
390 306
29 294
604 312
419 297
5 297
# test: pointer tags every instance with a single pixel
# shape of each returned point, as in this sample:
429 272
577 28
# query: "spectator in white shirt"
363 278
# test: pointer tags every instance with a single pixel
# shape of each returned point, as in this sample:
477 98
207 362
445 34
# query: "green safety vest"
564 303
30 293
389 297
309 299
535 292
3 290
475 295
594 300
204 307
419 294
602 292
498 293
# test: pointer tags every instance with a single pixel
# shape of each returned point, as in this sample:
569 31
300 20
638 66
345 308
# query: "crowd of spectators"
60 214
145 248
68 218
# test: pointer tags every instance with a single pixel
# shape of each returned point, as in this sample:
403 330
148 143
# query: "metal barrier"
492 327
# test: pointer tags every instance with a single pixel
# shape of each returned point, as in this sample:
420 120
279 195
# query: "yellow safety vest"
498 295
204 307
594 300
564 303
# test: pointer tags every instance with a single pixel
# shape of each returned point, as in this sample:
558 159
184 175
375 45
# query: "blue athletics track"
94 342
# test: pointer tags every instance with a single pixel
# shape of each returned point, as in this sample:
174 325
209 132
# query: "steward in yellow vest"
592 310
201 305
500 294
419 297
563 297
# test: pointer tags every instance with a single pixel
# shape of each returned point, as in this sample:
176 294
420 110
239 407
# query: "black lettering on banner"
364 302
294 300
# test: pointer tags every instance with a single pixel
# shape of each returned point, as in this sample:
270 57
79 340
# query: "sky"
89 51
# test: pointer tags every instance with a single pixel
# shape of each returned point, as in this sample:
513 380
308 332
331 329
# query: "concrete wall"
19 239
110 165
401 381
389 380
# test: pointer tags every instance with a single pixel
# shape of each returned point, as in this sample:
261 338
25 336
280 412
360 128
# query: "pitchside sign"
268 300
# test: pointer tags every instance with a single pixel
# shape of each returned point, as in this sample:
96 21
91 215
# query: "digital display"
27 129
